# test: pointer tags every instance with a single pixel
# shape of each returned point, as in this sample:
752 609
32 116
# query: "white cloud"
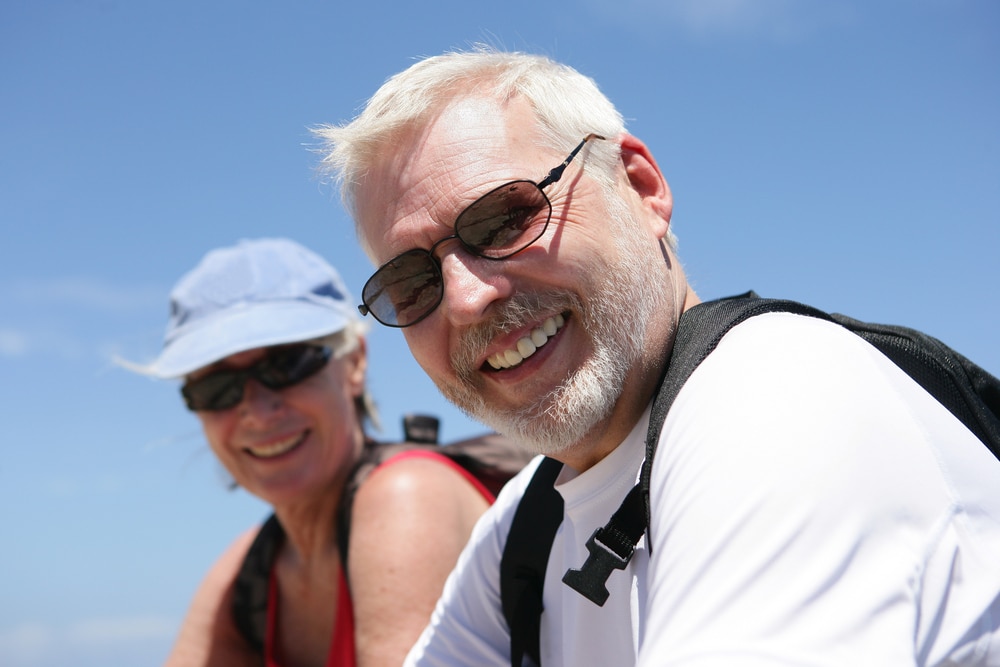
25 644
62 487
105 631
734 15
58 316
38 644
13 343
772 19
19 343
69 486
86 292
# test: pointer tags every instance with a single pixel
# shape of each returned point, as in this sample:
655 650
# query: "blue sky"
845 153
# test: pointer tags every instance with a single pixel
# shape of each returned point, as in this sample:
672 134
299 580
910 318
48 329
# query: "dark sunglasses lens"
506 220
285 366
404 290
218 391
282 367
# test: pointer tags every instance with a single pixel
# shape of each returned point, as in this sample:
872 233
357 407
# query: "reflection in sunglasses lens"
495 224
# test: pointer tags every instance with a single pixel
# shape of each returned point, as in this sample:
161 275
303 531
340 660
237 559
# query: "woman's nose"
258 401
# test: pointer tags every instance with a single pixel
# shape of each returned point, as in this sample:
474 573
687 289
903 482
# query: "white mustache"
520 311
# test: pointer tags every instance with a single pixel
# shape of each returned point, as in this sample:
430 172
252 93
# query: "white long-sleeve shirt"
811 506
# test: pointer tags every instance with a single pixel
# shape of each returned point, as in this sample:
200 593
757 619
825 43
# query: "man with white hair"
810 504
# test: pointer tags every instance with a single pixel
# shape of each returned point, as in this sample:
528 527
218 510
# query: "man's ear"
647 180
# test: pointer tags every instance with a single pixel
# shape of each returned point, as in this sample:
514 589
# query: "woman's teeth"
526 346
276 448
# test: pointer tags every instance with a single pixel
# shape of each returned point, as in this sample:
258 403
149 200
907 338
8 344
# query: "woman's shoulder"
409 473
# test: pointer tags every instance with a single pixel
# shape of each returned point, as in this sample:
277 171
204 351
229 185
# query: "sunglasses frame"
368 305
259 372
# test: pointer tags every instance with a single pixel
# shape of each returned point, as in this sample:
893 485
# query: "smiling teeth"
276 448
528 345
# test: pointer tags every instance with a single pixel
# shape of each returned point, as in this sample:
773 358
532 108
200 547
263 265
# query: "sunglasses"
501 223
282 367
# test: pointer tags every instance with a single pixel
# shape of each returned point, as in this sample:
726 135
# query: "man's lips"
526 346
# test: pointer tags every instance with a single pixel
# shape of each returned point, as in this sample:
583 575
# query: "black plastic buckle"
589 581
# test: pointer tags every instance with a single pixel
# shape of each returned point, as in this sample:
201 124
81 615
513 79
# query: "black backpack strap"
966 389
250 589
609 548
525 557
698 333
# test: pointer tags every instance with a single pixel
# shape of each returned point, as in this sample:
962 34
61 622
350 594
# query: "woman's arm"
208 635
411 520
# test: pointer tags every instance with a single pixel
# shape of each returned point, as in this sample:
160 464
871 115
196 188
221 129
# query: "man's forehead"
464 148
468 135
471 131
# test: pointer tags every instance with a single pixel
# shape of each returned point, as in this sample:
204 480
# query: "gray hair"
567 104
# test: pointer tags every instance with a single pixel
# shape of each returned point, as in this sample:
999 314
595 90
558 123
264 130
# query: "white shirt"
811 505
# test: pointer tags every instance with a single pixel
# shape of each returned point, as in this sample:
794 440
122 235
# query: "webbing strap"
610 548
698 333
525 557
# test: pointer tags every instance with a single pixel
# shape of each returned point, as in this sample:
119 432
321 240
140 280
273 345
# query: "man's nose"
471 285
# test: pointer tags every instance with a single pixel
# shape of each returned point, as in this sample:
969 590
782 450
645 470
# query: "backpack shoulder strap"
968 391
525 557
250 588
491 458
965 388
698 333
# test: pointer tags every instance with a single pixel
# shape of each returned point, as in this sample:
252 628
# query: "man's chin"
543 428
537 443
561 418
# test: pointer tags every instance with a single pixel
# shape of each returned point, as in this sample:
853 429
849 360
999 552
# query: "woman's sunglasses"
282 367
501 223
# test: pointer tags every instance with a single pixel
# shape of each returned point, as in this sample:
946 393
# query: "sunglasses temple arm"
553 176
557 173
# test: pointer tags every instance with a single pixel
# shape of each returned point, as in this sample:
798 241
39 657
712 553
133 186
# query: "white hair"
346 340
342 343
567 104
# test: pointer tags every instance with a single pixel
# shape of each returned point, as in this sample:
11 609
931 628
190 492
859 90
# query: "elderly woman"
266 340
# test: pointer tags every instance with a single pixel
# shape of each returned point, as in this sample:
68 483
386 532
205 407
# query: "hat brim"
242 329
